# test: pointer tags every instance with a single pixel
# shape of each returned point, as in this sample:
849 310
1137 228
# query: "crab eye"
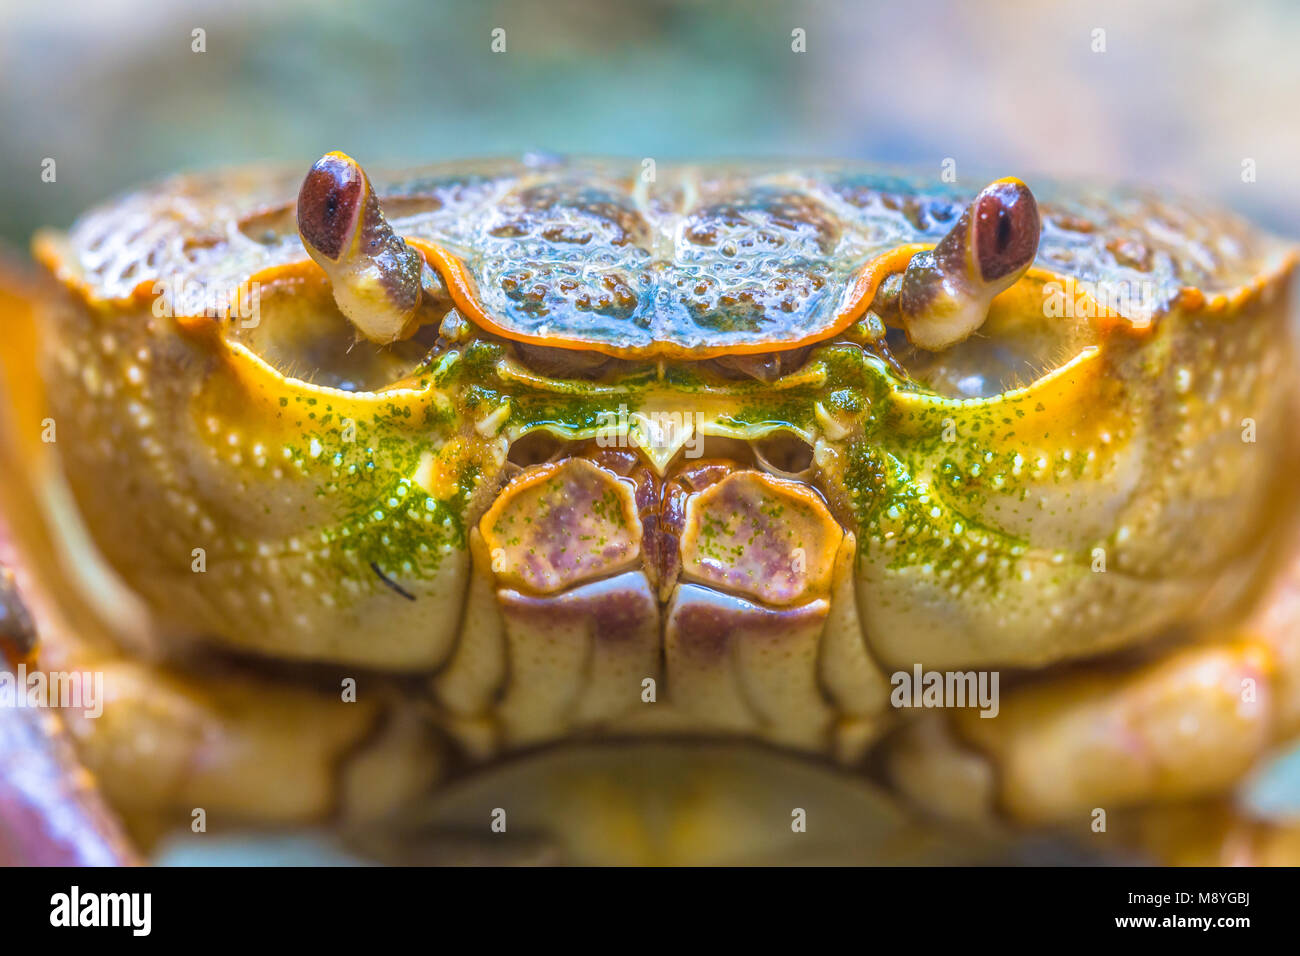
378 280
967 319
946 293
1006 229
328 204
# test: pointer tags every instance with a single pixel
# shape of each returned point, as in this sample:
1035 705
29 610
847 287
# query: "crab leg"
378 279
242 749
1185 727
1174 729
165 743
51 811
945 293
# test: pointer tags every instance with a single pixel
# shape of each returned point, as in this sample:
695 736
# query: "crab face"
745 441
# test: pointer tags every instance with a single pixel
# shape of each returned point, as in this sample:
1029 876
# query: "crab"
651 513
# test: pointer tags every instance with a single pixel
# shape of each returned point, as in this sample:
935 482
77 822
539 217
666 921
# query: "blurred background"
1174 92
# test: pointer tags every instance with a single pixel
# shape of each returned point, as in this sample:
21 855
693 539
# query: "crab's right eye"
967 319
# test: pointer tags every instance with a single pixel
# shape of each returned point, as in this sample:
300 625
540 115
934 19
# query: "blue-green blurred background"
1184 92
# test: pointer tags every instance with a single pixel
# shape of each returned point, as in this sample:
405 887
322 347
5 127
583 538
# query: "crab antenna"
946 293
377 278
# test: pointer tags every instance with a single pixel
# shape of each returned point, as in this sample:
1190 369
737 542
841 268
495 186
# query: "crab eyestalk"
946 293
378 280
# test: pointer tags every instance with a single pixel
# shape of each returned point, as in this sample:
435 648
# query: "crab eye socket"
301 333
784 454
536 448
1017 344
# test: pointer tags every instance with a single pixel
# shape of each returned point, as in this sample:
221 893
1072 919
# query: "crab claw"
946 292
377 278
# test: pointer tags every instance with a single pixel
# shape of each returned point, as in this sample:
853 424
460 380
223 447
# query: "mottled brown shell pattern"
687 261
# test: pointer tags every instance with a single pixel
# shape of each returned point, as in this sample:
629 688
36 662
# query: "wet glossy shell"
630 258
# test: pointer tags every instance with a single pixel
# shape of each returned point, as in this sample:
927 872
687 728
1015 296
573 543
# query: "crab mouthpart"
715 525
945 293
716 580
559 524
761 537
377 279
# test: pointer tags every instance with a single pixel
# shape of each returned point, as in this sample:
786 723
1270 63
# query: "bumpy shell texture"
634 259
